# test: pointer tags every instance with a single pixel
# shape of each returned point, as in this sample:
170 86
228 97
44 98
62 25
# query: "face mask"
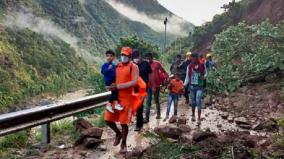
136 60
124 59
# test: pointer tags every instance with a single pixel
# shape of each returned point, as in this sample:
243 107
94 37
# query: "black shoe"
146 121
137 129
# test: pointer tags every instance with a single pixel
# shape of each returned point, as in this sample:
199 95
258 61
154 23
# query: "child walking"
176 88
108 71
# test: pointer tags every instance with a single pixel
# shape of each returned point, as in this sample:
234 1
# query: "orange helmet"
126 51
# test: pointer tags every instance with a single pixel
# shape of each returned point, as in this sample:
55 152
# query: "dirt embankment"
266 9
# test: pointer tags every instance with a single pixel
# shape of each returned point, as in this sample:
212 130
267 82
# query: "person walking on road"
183 67
156 79
195 77
127 75
175 66
144 72
176 88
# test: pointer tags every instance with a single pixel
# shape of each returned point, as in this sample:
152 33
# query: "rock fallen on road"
173 119
91 142
181 121
137 152
169 131
245 126
82 124
93 132
268 125
184 128
242 120
200 136
90 136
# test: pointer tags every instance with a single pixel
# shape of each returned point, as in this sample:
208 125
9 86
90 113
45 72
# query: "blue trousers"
196 96
172 98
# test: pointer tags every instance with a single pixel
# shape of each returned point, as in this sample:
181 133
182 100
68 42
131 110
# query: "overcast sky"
195 11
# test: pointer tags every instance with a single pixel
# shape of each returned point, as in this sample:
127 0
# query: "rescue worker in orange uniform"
127 74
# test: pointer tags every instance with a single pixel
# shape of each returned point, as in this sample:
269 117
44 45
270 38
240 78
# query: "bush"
244 51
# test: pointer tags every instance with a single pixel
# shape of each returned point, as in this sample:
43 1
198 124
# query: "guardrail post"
45 133
45 128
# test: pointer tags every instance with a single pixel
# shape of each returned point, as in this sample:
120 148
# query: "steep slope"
31 64
266 9
250 11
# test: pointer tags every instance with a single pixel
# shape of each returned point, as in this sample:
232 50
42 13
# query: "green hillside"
42 43
31 64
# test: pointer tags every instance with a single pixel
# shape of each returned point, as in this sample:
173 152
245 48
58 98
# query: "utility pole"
180 46
165 23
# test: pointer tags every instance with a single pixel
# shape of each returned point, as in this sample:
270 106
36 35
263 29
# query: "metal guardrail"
20 120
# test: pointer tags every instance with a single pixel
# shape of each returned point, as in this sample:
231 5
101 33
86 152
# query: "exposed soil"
266 9
256 102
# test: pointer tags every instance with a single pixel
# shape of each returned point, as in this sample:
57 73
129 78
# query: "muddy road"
212 119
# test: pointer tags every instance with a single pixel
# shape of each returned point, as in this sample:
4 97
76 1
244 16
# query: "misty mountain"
47 46
96 24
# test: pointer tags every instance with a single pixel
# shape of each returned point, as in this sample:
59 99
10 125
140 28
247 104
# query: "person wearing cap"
127 74
144 72
157 77
210 64
183 68
195 78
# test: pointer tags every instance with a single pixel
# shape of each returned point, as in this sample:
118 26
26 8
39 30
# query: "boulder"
173 119
93 132
242 120
81 124
184 128
268 125
264 143
181 120
185 138
137 152
245 126
168 131
200 136
91 142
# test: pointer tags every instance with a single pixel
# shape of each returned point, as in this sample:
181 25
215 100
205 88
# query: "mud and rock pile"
90 136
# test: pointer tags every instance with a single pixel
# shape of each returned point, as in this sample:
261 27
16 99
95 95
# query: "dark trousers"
149 101
139 117
186 93
114 94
